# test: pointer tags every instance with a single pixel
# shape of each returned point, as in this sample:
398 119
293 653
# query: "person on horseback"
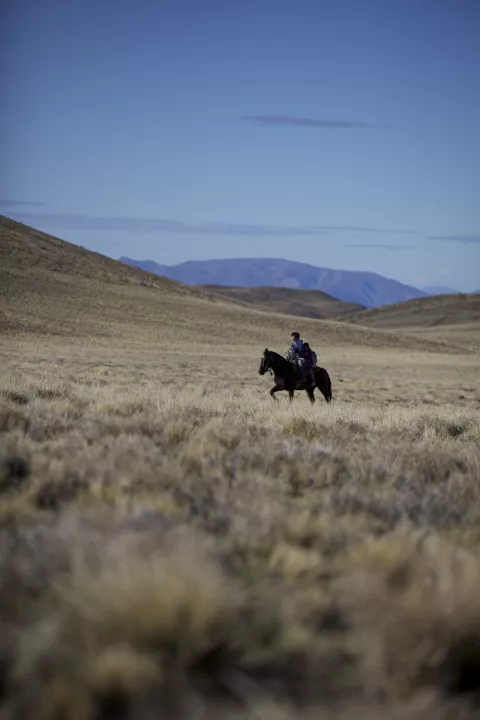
297 354
310 362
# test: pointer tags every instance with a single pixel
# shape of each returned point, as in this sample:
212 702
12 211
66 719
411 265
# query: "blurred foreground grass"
174 545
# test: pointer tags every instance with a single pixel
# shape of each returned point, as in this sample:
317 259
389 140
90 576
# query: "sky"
344 134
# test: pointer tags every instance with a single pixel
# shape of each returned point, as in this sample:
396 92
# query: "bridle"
265 365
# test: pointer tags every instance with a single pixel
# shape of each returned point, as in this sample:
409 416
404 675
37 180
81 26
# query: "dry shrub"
12 418
14 470
14 396
132 635
49 393
303 428
428 426
413 600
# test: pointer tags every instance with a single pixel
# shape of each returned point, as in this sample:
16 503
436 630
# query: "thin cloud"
5 202
379 246
276 120
464 239
148 226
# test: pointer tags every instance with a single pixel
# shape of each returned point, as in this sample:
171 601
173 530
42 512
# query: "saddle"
301 384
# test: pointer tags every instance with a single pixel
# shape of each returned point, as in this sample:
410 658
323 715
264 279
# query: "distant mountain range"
364 288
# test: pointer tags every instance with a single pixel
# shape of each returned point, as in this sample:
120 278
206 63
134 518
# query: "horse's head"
265 362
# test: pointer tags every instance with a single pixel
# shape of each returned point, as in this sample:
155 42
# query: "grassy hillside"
458 309
51 287
452 317
27 253
287 301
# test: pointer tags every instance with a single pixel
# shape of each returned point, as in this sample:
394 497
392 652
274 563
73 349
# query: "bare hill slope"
451 318
288 301
25 252
458 309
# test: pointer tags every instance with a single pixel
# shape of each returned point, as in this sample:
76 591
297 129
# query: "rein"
277 370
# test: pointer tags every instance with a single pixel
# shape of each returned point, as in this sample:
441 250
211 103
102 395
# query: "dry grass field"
175 545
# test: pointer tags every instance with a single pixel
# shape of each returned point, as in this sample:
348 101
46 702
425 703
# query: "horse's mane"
277 355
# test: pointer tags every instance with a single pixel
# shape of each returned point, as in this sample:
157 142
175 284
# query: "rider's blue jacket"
297 347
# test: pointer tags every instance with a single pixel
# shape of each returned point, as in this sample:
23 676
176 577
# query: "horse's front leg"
274 390
290 394
310 393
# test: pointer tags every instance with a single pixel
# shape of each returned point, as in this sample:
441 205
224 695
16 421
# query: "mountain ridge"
360 287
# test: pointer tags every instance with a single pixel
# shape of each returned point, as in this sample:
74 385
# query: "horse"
286 377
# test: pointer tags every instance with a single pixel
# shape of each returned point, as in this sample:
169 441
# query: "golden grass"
173 544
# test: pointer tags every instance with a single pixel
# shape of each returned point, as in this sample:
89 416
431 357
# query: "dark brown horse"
286 377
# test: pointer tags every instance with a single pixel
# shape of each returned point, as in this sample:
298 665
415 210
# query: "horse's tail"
326 388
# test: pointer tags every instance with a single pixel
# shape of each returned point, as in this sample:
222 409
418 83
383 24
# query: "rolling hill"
287 301
50 288
424 312
362 288
454 317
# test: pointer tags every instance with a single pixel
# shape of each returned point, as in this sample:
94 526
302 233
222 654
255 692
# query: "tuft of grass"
14 470
302 427
19 398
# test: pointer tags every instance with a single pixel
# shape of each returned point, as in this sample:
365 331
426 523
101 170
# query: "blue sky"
345 134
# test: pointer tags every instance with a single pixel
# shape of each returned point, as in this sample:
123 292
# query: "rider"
297 351
310 362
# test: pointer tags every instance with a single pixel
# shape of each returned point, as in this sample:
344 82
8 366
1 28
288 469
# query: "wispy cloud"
148 226
464 239
275 120
6 202
379 246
